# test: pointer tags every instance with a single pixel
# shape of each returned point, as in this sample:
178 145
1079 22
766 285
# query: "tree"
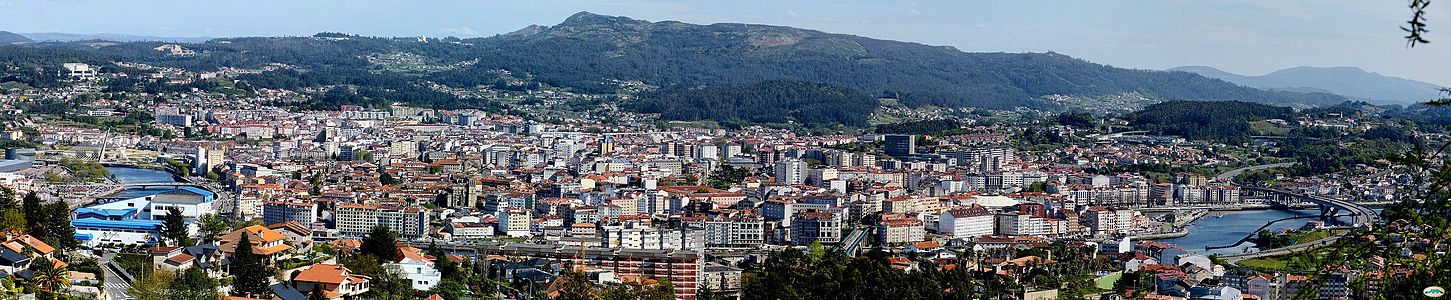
450 289
7 198
30 206
11 220
387 179
249 272
193 283
173 227
388 285
56 227
661 290
49 277
155 286
575 285
213 225
441 262
381 243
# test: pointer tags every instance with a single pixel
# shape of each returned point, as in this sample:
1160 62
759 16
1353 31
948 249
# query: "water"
138 175
1235 225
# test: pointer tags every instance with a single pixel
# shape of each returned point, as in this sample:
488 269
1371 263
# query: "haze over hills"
1350 82
115 37
7 37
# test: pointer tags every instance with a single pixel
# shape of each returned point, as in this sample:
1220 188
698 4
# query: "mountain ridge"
672 53
1352 82
7 37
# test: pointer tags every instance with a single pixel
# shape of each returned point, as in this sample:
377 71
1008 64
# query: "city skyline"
1242 37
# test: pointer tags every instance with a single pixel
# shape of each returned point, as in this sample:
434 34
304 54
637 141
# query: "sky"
1250 37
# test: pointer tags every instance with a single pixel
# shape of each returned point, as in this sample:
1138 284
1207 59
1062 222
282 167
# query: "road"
115 286
1233 173
1235 258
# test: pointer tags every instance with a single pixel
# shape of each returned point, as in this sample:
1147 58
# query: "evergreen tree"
7 198
56 226
30 206
441 262
173 227
249 272
381 243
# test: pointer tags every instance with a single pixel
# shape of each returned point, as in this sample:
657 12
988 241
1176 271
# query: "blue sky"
1250 37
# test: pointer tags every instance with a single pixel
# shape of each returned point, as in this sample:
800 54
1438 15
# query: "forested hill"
1227 121
590 52
7 37
588 47
773 101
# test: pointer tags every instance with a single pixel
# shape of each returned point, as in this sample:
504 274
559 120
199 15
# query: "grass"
1267 128
1106 282
1265 263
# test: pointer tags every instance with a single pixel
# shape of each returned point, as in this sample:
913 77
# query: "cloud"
464 31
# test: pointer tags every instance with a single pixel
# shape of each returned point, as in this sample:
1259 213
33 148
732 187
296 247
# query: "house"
417 267
18 252
335 281
265 242
297 234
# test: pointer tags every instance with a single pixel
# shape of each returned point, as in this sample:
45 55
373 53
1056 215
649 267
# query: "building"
354 219
335 281
735 232
816 226
900 144
683 268
470 230
93 232
1103 222
898 231
265 242
515 222
789 171
417 267
304 212
80 70
966 222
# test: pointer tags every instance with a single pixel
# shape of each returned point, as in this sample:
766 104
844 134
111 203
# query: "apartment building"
354 219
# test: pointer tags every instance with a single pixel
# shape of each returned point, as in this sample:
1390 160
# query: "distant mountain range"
590 47
7 38
114 37
596 53
1350 82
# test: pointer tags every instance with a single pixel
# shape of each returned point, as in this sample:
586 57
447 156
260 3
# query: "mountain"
7 37
588 48
595 53
1350 82
114 37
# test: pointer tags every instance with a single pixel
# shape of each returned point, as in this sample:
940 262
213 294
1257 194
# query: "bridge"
145 185
852 243
1329 207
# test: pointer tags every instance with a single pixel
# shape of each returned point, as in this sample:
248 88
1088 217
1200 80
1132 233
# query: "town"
209 192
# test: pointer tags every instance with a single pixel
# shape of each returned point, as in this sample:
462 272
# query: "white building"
514 222
790 171
417 267
966 221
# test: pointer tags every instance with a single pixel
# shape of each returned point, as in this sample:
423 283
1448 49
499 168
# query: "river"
1234 225
127 175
